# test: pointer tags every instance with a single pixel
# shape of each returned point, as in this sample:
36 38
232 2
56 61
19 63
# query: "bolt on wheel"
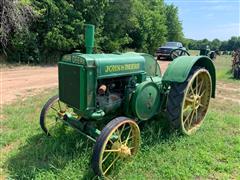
118 141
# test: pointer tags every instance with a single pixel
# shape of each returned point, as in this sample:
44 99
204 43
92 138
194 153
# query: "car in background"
163 52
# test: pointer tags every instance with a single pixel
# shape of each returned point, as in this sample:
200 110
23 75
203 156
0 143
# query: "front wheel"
51 115
119 140
188 102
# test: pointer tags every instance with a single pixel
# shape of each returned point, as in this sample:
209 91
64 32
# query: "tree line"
43 30
232 44
40 31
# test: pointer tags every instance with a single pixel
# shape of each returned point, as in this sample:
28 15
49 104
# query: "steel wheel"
178 52
51 114
119 140
188 102
196 100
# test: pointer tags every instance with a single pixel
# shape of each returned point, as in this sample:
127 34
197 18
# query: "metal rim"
53 115
178 52
196 101
121 143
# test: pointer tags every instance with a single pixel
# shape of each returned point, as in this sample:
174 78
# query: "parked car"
163 52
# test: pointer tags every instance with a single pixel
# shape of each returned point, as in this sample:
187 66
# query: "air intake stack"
89 38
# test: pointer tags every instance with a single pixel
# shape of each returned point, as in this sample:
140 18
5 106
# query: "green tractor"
106 96
207 52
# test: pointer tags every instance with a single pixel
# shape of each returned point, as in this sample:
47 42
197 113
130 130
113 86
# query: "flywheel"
145 101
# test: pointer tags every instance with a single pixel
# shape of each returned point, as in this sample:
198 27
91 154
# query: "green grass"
223 64
212 153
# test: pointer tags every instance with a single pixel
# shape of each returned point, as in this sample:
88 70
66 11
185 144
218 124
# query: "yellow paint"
122 67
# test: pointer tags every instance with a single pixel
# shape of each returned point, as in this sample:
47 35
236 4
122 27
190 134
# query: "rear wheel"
118 141
188 102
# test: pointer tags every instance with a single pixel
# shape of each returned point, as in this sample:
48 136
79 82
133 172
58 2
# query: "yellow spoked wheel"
51 114
188 102
118 141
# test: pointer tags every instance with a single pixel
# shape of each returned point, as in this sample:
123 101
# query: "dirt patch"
26 81
22 82
9 147
228 91
163 65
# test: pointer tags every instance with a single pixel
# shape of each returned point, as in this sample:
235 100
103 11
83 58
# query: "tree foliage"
42 30
232 44
14 17
174 26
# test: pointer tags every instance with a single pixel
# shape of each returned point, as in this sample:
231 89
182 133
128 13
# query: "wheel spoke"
104 159
190 120
196 86
122 130
54 109
189 99
119 136
187 108
203 92
192 90
200 87
112 150
110 165
130 131
111 141
175 55
59 105
124 142
202 105
185 120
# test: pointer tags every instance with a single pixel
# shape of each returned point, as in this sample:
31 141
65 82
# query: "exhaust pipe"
89 38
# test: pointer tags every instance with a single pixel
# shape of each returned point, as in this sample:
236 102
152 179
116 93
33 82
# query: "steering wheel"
178 52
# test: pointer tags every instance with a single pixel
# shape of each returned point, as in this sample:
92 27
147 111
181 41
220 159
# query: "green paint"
146 100
89 38
141 91
180 67
72 85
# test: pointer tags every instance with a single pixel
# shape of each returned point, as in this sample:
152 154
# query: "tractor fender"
180 67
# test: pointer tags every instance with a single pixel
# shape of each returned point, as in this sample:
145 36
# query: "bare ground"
23 82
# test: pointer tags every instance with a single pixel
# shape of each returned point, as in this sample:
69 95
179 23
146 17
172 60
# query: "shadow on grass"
42 154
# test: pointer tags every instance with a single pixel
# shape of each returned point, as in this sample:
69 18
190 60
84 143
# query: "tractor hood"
109 65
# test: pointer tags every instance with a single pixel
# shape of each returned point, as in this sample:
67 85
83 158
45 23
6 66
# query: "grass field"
212 153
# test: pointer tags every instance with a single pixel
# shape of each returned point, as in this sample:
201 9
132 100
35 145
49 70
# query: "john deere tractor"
106 96
207 52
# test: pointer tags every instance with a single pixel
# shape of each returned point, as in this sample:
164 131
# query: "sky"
209 18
